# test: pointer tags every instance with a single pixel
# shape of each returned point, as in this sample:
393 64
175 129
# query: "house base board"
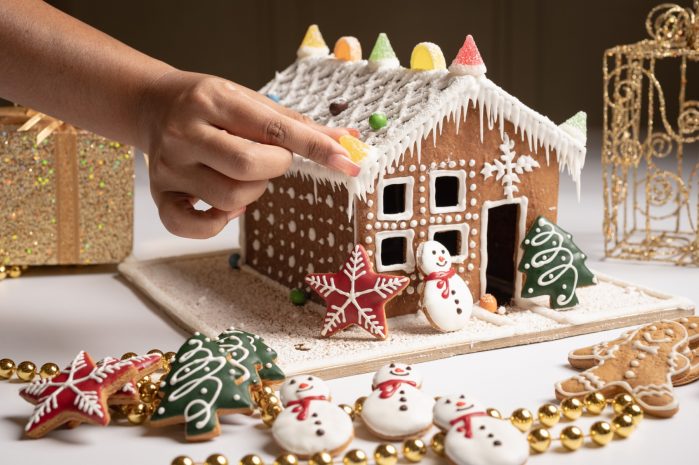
202 293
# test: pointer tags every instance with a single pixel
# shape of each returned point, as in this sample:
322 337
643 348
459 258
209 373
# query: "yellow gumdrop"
348 48
427 56
356 148
313 38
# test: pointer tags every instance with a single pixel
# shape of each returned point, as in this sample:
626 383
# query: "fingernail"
235 213
343 163
354 132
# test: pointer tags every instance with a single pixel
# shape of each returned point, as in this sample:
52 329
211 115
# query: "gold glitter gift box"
66 194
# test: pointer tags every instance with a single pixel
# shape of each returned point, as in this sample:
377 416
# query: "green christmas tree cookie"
255 359
553 264
200 386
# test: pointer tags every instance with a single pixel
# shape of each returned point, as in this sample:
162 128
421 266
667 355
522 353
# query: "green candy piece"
382 49
553 264
297 297
578 121
201 382
377 121
249 353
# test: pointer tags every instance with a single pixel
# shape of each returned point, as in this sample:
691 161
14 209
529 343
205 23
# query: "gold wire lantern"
650 158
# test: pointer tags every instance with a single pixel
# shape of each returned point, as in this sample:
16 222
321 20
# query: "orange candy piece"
489 302
348 48
357 149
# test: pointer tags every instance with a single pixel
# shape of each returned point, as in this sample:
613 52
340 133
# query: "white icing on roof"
415 102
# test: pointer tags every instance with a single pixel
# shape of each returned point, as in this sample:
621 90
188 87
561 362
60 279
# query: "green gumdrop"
382 49
297 297
578 121
377 121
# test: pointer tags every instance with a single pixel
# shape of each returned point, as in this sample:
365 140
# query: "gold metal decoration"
650 158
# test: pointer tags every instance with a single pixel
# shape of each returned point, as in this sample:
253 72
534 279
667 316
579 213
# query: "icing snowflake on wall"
507 169
356 295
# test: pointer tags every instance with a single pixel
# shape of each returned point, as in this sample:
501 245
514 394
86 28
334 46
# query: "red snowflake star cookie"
78 394
356 295
144 365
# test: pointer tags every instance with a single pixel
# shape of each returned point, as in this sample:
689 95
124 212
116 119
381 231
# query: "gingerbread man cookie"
397 409
310 423
643 364
475 438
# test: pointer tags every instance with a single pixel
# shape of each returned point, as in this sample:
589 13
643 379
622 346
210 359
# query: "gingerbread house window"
454 237
396 199
447 191
394 251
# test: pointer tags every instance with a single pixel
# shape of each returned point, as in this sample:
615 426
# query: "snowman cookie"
474 437
446 299
309 423
397 409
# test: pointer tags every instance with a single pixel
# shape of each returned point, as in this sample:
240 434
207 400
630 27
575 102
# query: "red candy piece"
356 295
76 395
468 60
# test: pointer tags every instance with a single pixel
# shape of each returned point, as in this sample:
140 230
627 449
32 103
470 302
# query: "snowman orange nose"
441 259
460 404
303 385
399 370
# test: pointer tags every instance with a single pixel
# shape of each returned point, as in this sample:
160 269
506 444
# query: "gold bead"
601 433
572 437
137 414
621 401
386 454
355 457
128 355
14 272
251 459
595 403
572 408
26 371
182 460
7 368
160 352
437 443
622 425
522 419
539 439
3 272
286 459
348 409
493 412
169 356
549 415
414 450
635 412
320 458
49 370
270 414
216 459
358 405
148 391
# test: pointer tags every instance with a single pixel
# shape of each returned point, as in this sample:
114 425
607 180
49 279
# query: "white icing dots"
292 226
629 374
312 234
256 214
368 239
331 239
370 216
473 202
412 168
472 163
255 245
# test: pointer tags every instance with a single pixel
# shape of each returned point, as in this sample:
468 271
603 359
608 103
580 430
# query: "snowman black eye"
310 378
444 252
408 368
462 396
434 252
293 381
392 365
447 401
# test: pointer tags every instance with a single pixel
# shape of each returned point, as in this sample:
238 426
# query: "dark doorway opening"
502 250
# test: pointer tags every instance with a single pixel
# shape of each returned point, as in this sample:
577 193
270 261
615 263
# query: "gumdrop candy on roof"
348 48
382 54
357 149
468 61
576 127
313 44
427 56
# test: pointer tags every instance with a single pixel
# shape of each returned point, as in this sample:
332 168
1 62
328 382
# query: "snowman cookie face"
448 408
302 386
433 257
397 371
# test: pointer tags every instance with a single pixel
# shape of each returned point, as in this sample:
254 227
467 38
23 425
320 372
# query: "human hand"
210 139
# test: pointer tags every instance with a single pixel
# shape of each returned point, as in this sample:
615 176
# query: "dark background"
548 53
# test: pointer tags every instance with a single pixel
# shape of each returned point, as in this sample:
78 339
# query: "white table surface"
48 315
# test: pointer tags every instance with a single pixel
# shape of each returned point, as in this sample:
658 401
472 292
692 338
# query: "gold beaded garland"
386 454
621 401
355 457
635 412
182 460
539 439
358 405
148 391
595 403
14 272
522 419
159 352
601 433
320 458
137 414
348 410
437 443
622 425
493 412
128 355
549 415
414 450
49 370
215 459
7 368
251 459
26 371
286 459
572 408
571 437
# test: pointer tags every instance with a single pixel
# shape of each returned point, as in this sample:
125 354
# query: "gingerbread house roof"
416 103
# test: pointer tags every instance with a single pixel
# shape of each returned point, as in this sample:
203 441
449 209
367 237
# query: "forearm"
70 70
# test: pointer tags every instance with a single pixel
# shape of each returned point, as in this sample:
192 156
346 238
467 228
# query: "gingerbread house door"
502 228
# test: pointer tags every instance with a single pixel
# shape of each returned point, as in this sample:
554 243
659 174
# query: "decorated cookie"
356 295
554 266
309 423
446 300
475 438
255 359
643 364
76 395
200 386
396 408
144 365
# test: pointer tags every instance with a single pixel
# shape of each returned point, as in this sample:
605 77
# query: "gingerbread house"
452 158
